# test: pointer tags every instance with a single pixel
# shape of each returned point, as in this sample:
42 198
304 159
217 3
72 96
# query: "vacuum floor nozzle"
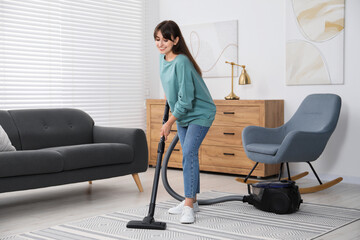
147 223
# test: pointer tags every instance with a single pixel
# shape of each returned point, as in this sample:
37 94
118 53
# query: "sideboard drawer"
224 136
176 155
234 157
237 116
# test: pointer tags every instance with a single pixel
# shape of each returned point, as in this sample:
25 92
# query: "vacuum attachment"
281 197
147 223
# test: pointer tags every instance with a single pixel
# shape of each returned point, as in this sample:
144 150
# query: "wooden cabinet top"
223 102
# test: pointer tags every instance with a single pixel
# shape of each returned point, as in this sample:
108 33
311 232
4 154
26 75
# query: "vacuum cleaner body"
281 197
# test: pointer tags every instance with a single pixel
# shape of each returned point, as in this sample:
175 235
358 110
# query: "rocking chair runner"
302 139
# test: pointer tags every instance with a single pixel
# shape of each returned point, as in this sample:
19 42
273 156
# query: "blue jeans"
191 138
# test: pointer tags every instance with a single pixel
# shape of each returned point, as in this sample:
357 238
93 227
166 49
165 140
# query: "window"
85 54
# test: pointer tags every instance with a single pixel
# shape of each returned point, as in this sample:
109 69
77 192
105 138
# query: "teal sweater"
186 92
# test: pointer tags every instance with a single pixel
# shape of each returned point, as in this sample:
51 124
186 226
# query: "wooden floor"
30 210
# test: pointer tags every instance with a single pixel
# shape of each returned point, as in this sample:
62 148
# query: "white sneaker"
179 208
188 215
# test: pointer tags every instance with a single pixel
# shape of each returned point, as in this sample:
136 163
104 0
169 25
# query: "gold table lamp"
243 79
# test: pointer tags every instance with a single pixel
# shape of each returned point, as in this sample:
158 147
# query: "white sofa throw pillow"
5 143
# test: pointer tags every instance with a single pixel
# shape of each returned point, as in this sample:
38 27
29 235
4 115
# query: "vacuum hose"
178 196
281 197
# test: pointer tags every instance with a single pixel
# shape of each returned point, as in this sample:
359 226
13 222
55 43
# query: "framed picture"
315 42
211 44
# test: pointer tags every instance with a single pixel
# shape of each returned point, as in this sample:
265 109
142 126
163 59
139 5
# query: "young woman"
191 105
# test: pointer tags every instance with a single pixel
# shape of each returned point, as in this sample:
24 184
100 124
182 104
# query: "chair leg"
288 170
313 189
321 186
251 172
280 171
317 177
297 177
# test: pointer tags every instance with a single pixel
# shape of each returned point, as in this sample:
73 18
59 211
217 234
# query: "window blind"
85 54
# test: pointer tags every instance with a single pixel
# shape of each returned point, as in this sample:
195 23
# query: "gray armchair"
302 139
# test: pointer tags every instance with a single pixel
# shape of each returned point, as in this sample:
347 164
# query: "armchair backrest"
317 113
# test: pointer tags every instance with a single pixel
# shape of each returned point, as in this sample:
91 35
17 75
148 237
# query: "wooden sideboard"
221 150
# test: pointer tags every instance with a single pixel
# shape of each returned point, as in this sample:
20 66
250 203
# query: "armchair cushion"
93 155
268 149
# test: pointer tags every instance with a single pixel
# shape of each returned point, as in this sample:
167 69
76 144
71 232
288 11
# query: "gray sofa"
61 146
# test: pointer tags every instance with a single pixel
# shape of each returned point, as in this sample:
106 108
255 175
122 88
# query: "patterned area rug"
230 220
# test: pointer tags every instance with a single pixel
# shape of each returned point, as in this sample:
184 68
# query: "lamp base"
232 96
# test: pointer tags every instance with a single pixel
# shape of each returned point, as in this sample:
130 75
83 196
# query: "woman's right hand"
165 130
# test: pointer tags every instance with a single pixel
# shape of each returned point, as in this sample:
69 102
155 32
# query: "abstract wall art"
211 44
315 42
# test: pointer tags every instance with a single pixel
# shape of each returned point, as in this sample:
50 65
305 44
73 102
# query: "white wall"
262 49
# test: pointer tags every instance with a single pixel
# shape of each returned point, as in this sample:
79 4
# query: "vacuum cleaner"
280 197
149 222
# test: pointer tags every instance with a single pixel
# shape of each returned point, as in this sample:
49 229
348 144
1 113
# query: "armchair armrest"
132 136
301 146
255 134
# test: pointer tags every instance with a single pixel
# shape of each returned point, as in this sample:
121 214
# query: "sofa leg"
90 182
137 181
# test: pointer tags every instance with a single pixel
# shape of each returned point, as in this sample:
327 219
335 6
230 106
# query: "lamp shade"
244 77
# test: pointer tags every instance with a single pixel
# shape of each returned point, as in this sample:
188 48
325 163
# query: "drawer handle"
229 154
173 130
176 150
229 112
229 133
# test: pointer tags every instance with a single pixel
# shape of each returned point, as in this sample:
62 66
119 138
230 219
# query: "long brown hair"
170 30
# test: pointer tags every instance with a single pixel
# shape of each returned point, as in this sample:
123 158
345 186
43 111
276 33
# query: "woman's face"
164 45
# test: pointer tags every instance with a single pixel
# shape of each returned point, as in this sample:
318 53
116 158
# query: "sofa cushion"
93 155
8 125
30 162
5 143
45 128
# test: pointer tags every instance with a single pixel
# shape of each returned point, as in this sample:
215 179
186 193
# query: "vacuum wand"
160 152
149 222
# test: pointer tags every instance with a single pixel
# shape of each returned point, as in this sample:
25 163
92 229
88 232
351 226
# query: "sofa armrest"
132 136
